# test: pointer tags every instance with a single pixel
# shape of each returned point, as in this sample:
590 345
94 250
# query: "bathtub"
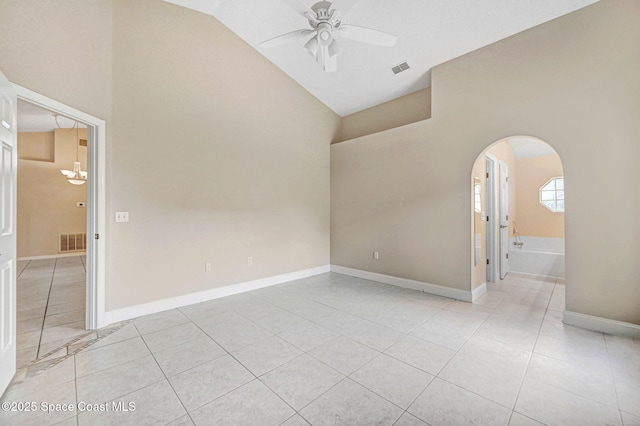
538 256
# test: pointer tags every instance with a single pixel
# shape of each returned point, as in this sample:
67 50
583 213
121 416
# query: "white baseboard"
479 292
123 314
438 290
603 325
52 256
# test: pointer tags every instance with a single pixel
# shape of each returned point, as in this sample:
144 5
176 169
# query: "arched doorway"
518 219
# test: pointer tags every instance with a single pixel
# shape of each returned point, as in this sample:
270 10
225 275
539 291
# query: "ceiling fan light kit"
326 27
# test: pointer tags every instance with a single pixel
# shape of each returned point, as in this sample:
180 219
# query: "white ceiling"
32 118
429 33
525 147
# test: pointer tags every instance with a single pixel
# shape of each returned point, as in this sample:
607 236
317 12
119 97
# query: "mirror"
477 220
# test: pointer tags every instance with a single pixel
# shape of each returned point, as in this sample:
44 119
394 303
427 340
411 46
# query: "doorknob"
503 226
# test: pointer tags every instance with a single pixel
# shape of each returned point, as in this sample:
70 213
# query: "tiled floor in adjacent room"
336 350
50 307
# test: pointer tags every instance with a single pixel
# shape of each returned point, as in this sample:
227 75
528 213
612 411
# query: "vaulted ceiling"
429 33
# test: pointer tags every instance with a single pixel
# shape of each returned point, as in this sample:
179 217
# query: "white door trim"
503 217
96 205
492 274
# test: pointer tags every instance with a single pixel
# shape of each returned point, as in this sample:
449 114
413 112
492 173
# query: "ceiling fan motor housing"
324 15
326 25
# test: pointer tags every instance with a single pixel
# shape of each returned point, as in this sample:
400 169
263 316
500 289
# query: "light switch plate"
122 216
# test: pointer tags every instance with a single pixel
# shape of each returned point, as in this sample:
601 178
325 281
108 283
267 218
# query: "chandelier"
75 176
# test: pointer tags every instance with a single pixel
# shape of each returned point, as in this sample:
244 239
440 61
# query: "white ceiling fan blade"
329 63
286 38
367 35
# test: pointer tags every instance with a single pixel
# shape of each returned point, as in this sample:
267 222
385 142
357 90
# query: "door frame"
503 209
491 273
96 201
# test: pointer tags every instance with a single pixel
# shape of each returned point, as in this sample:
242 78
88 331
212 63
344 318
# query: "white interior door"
8 162
490 231
503 207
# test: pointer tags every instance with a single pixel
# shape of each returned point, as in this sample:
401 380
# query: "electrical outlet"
122 216
376 255
208 266
250 261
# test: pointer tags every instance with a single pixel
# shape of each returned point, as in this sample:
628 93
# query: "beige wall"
533 218
60 49
210 163
395 113
571 82
46 201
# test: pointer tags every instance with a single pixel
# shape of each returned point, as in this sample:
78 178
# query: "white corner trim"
203 296
478 292
453 293
603 325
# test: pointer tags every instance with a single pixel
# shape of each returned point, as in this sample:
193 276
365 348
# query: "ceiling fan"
326 28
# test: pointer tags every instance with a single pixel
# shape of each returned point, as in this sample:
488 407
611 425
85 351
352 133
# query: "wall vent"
400 67
72 242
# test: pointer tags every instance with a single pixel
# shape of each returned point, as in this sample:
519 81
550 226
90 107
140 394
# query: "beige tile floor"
333 349
50 307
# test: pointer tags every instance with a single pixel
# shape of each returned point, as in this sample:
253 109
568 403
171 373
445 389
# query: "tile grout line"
613 376
378 353
524 376
23 269
238 361
75 351
165 377
405 334
44 318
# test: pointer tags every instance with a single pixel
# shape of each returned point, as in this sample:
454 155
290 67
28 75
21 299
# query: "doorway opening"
519 224
94 242
51 231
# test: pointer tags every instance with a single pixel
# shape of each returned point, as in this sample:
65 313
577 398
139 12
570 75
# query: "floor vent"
72 242
399 68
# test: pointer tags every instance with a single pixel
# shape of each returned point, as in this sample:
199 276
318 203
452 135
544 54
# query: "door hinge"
487 175
97 236
487 218
507 255
507 217
487 261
